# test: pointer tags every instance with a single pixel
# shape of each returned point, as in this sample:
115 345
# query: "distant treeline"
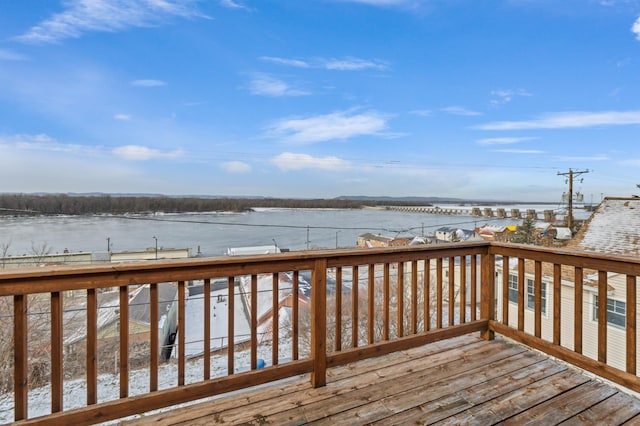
52 204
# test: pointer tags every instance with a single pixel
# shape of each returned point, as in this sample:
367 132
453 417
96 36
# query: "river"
213 233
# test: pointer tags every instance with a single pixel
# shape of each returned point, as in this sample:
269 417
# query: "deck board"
464 380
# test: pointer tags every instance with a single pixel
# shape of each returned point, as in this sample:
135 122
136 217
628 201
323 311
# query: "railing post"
488 292
319 323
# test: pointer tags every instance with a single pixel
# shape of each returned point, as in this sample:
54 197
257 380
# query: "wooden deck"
458 381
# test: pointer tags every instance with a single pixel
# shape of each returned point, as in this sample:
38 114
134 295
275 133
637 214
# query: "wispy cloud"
123 117
335 126
236 167
519 151
421 112
568 120
381 2
141 153
600 157
501 97
267 85
291 161
635 28
9 55
81 16
348 63
503 141
148 83
231 4
44 143
458 110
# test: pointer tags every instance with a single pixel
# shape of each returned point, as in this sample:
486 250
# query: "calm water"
215 232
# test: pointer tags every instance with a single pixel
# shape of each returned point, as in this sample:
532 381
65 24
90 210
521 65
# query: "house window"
513 288
531 296
616 311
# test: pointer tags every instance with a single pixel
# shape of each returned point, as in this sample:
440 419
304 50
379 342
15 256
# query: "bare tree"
4 251
40 252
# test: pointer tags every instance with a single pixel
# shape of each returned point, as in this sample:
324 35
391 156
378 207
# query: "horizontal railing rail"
297 313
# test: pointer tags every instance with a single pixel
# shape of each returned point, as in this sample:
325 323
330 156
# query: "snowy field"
75 391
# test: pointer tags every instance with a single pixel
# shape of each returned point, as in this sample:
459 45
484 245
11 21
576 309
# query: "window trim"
513 287
594 312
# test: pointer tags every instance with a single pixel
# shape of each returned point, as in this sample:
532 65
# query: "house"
369 240
450 234
246 251
614 228
502 233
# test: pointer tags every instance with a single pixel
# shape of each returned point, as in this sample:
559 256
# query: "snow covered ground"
75 391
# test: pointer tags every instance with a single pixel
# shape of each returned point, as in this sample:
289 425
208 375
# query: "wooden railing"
362 303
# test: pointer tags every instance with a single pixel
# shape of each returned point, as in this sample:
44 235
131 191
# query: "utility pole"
571 174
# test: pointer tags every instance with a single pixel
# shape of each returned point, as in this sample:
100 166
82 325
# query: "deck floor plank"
565 406
614 410
465 380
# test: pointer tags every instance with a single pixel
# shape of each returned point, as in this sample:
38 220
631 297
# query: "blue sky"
320 98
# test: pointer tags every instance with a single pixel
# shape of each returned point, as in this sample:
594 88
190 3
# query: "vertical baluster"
537 292
474 287
602 316
231 301
254 322
56 352
155 344
452 290
338 343
631 324
521 290
20 356
124 341
354 306
92 346
400 298
463 289
294 316
414 297
557 284
371 302
275 318
505 290
385 303
207 328
182 303
439 292
427 294
577 316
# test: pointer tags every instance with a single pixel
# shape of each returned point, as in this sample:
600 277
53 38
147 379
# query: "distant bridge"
488 212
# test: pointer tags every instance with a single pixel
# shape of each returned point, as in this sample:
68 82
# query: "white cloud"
148 83
338 125
503 141
82 16
266 85
9 55
291 161
137 152
236 167
501 97
519 151
231 4
568 120
123 117
298 63
345 64
44 143
458 110
421 112
380 2
636 28
352 64
582 158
